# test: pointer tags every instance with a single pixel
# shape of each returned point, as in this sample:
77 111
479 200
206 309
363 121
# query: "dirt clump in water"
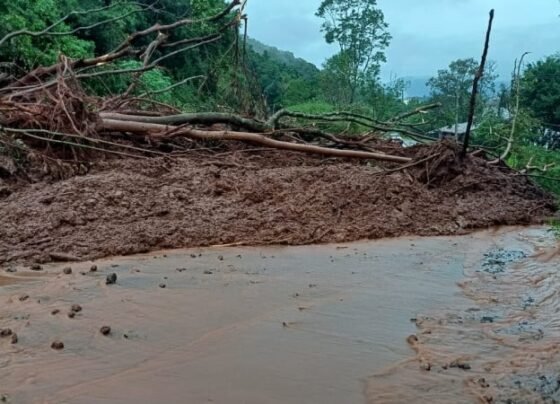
132 206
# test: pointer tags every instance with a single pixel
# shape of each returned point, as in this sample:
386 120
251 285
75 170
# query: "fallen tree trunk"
159 131
195 118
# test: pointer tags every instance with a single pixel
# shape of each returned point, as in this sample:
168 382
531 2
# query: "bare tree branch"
510 140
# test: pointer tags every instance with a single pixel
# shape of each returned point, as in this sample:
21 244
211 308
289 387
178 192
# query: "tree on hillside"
452 87
540 90
358 27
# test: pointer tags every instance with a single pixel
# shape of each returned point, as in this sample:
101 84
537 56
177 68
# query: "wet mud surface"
135 206
505 348
391 321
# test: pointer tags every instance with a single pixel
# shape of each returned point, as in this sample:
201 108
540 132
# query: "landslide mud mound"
133 206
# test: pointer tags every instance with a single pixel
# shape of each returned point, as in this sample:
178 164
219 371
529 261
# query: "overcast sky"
427 34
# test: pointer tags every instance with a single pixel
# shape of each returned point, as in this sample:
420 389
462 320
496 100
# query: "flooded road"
504 349
446 319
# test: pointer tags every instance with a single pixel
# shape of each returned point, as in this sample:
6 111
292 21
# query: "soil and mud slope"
133 206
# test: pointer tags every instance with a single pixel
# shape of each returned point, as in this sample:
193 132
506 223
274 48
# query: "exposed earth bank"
132 206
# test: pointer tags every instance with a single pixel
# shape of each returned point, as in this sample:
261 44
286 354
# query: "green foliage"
555 227
453 87
540 89
27 51
283 79
539 157
493 132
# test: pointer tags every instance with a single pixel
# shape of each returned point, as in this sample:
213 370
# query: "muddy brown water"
320 324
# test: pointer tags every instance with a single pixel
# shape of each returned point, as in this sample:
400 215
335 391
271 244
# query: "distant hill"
416 85
286 58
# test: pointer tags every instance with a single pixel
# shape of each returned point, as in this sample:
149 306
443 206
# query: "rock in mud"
55 312
93 268
162 285
14 339
412 340
5 332
36 267
67 271
460 364
105 330
57 345
496 261
483 383
207 272
111 279
76 308
72 314
11 270
23 298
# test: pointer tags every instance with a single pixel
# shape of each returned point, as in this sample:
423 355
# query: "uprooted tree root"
249 197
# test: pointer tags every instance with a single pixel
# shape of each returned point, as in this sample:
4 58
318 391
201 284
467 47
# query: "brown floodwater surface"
505 348
320 324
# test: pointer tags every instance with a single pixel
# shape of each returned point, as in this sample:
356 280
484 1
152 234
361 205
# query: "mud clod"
105 330
55 312
76 308
483 383
36 267
5 332
57 345
111 279
162 285
93 268
14 339
412 340
67 271
460 364
23 298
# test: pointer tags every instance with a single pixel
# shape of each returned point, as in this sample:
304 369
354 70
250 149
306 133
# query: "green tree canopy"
540 89
453 86
358 27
